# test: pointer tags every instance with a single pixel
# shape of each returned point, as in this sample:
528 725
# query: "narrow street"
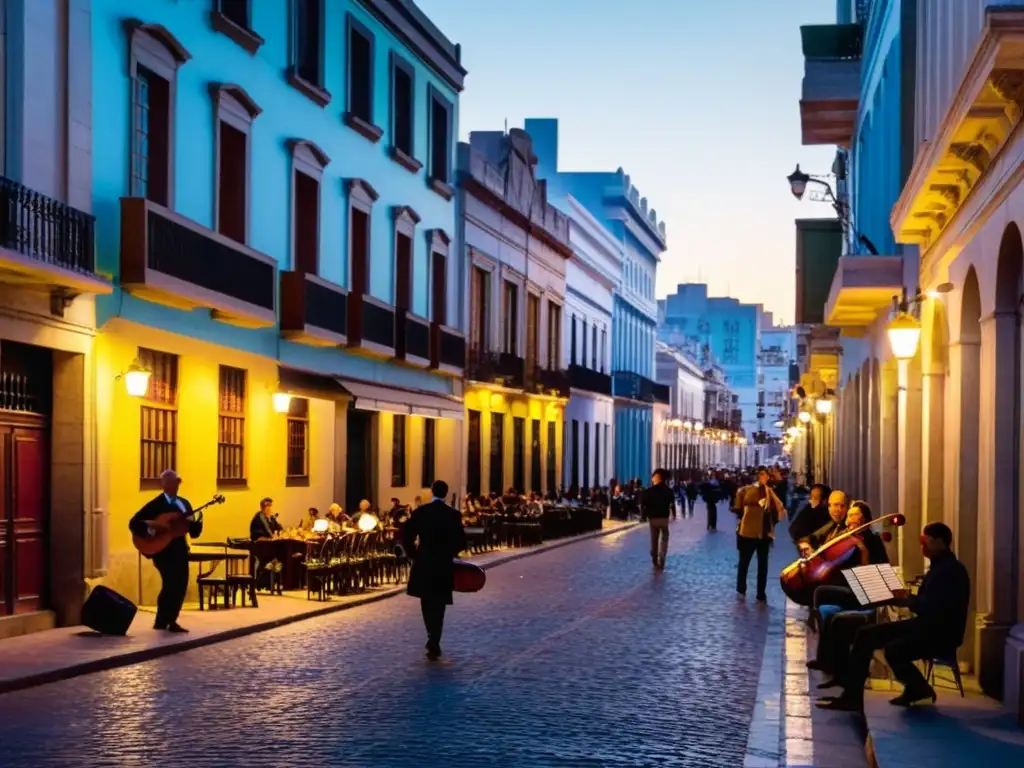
581 656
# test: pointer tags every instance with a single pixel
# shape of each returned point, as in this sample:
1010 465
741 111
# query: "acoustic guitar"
169 526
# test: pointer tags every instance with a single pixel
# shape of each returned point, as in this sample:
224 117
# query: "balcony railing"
172 260
590 380
447 349
371 325
636 387
497 368
547 381
412 339
313 310
47 241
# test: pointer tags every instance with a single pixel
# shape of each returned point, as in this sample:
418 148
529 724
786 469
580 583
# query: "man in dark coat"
658 503
433 537
172 561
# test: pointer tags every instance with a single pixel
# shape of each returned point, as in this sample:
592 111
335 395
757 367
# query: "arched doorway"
962 474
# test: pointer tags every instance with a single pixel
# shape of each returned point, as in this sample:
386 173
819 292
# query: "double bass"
821 567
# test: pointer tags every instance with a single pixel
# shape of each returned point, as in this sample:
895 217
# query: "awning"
376 397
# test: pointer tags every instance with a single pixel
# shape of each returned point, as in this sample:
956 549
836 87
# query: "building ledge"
977 124
862 287
830 93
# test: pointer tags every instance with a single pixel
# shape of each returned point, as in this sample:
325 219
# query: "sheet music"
873 584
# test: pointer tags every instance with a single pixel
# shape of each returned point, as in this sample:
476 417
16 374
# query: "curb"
148 654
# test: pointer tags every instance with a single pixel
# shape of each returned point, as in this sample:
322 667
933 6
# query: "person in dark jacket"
814 514
938 627
264 523
658 502
692 492
172 561
433 536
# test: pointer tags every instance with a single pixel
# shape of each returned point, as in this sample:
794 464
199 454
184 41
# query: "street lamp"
798 182
805 416
824 406
136 378
904 334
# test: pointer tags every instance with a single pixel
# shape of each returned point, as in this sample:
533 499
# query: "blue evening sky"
698 100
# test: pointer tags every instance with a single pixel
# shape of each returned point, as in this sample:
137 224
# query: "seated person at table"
364 509
937 629
337 514
417 502
398 512
312 515
264 523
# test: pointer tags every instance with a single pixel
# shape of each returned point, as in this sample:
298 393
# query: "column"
909 468
863 430
933 396
997 505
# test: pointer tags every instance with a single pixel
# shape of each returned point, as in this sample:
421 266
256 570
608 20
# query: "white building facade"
590 279
685 380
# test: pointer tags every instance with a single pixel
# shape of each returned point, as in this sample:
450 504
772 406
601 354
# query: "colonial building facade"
518 245
613 200
274 188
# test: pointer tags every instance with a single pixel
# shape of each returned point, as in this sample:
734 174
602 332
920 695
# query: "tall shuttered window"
231 427
519 454
398 463
473 451
429 448
535 456
552 478
497 452
297 469
158 448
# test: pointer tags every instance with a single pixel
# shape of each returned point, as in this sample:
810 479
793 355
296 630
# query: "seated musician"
937 628
813 516
264 523
364 509
312 515
838 505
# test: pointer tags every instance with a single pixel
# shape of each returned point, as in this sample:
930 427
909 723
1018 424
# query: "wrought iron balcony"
590 380
412 340
43 241
633 386
547 381
172 260
501 368
447 349
371 325
313 310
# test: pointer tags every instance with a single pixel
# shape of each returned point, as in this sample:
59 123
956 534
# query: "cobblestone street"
577 657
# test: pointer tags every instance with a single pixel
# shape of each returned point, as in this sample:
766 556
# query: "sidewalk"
57 654
954 733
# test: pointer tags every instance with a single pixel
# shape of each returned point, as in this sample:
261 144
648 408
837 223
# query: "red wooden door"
24 545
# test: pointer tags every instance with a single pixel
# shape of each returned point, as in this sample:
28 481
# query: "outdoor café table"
216 553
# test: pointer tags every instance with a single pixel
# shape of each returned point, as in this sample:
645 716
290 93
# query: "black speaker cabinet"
107 612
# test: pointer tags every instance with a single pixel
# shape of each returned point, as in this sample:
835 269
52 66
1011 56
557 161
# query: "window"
473 454
159 415
535 462
359 114
532 331
598 473
155 56
586 454
308 162
307 60
406 220
440 111
398 451
552 481
554 336
403 113
235 113
604 341
429 448
497 452
479 311
361 197
231 427
439 276
593 347
510 314
297 463
572 340
583 357
574 454
519 454
234 19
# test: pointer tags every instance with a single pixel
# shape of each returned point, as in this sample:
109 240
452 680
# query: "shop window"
429 448
497 452
519 454
535 456
231 427
473 454
398 474
158 448
297 462
551 473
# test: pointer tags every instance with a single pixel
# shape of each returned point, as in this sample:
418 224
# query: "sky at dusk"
697 100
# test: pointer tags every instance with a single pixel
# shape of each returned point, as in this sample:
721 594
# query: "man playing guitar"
172 561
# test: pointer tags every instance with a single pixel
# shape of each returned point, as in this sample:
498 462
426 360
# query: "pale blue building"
611 197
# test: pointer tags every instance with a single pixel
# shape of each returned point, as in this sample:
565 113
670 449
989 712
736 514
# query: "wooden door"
24 543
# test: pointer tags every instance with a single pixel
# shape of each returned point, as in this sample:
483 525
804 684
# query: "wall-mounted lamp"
823 404
282 402
699 426
136 378
687 425
805 416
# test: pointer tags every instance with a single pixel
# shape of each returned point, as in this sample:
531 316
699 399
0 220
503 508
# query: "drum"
468 577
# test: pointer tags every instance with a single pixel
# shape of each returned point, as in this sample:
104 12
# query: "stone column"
933 391
863 431
886 488
909 468
997 452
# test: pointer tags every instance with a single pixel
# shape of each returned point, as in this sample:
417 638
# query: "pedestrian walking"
692 492
710 491
760 511
433 537
658 503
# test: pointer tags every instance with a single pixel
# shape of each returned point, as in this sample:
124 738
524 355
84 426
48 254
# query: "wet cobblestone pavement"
577 657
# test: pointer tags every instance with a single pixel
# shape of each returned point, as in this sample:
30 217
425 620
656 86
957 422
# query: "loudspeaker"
107 612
